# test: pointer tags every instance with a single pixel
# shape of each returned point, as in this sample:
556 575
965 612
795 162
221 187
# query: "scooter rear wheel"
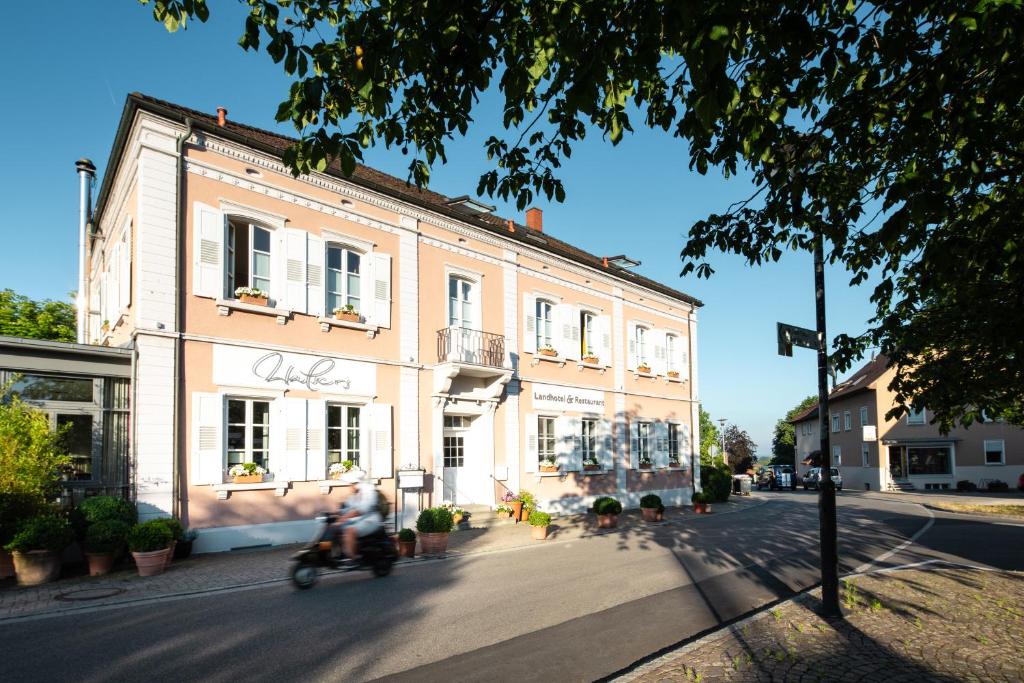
382 567
304 575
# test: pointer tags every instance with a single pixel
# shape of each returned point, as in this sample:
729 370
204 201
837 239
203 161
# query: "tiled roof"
858 381
372 179
807 414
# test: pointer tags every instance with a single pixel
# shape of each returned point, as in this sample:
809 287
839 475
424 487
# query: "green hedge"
435 521
173 525
538 518
606 505
44 532
717 483
15 508
149 537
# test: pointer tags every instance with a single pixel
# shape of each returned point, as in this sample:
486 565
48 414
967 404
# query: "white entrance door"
462 322
465 480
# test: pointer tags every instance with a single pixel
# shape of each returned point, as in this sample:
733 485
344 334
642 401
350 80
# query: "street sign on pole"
791 335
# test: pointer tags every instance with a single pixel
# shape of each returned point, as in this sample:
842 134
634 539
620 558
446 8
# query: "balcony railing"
461 345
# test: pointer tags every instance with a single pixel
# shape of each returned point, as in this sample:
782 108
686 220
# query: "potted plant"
247 473
104 540
347 312
529 505
701 502
105 327
337 470
37 547
651 508
149 542
673 374
406 543
503 512
548 350
15 508
590 464
548 464
644 369
673 461
176 529
607 510
457 513
252 295
183 548
539 522
646 463
515 504
434 525
591 359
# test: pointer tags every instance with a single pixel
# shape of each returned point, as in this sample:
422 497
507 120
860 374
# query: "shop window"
79 443
673 444
343 432
588 441
588 340
545 324
248 257
248 432
344 278
915 416
995 451
933 460
50 388
847 420
545 438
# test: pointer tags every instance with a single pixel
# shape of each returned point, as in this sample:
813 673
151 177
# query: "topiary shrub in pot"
539 523
176 529
651 508
148 542
701 502
434 525
104 540
15 508
407 543
37 547
607 510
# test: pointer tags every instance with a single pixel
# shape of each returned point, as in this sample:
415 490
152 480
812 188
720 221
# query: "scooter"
377 553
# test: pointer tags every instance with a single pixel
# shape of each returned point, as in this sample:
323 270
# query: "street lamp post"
721 424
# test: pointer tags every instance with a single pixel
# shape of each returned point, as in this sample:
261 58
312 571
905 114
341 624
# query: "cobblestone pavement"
936 624
239 569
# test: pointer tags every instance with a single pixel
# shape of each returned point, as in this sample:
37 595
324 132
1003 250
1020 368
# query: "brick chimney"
535 219
222 116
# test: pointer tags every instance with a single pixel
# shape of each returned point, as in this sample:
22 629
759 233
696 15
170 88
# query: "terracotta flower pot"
539 533
151 563
549 468
100 563
248 478
6 565
517 509
659 516
255 300
548 352
457 518
407 548
347 317
170 554
591 360
607 521
650 514
674 374
36 567
433 543
504 514
643 369
701 508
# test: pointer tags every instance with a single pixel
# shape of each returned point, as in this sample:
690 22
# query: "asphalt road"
569 611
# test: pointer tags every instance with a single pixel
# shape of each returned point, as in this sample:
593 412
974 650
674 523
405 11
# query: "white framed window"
995 452
248 431
344 278
545 324
460 302
588 440
643 442
847 420
673 444
916 416
249 257
863 415
837 456
588 334
545 438
455 427
865 455
671 353
641 346
835 423
343 434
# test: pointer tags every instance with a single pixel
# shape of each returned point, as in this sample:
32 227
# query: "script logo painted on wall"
259 368
567 399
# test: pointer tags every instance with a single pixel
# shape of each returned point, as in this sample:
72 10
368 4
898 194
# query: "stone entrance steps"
903 486
479 517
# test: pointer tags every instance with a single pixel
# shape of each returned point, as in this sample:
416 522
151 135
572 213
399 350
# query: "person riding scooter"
360 516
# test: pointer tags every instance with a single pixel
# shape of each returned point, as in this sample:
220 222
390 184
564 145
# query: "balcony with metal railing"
475 347
482 357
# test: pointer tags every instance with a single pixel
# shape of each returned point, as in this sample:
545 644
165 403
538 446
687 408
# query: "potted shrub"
247 473
149 542
673 374
37 547
104 540
644 369
651 508
176 529
646 463
591 359
701 502
337 470
590 464
539 522
15 508
548 350
347 312
607 510
407 543
183 548
548 465
434 525
251 295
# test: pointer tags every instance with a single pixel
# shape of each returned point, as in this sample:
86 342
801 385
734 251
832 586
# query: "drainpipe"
178 305
86 173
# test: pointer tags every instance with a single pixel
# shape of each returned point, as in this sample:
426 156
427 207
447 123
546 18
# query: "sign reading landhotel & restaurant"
238 366
568 399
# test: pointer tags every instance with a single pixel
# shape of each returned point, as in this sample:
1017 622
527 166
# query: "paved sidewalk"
239 569
938 623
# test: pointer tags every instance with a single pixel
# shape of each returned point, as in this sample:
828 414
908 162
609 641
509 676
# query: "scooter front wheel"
382 567
304 575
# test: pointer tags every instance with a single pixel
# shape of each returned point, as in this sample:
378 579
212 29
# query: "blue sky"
66 87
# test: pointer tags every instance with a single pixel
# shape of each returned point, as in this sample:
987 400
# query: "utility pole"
721 424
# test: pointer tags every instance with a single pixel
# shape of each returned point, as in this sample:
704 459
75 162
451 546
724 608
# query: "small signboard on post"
791 335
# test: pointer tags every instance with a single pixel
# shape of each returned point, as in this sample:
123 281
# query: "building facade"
878 453
403 330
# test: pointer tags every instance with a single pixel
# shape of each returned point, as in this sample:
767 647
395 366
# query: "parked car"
812 480
775 477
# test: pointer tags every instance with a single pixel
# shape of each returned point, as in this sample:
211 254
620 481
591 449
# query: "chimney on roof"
535 219
222 116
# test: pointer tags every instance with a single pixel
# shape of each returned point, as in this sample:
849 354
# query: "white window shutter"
114 287
208 252
575 460
207 439
683 357
660 444
685 447
604 328
530 464
294 465
125 274
568 332
295 270
381 313
529 325
604 443
316 439
315 272
634 445
381 459
278 270
660 364
563 443
631 355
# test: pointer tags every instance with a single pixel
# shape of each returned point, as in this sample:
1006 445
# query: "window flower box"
250 295
548 466
548 351
247 473
348 313
591 466
591 360
644 369
673 374
338 469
